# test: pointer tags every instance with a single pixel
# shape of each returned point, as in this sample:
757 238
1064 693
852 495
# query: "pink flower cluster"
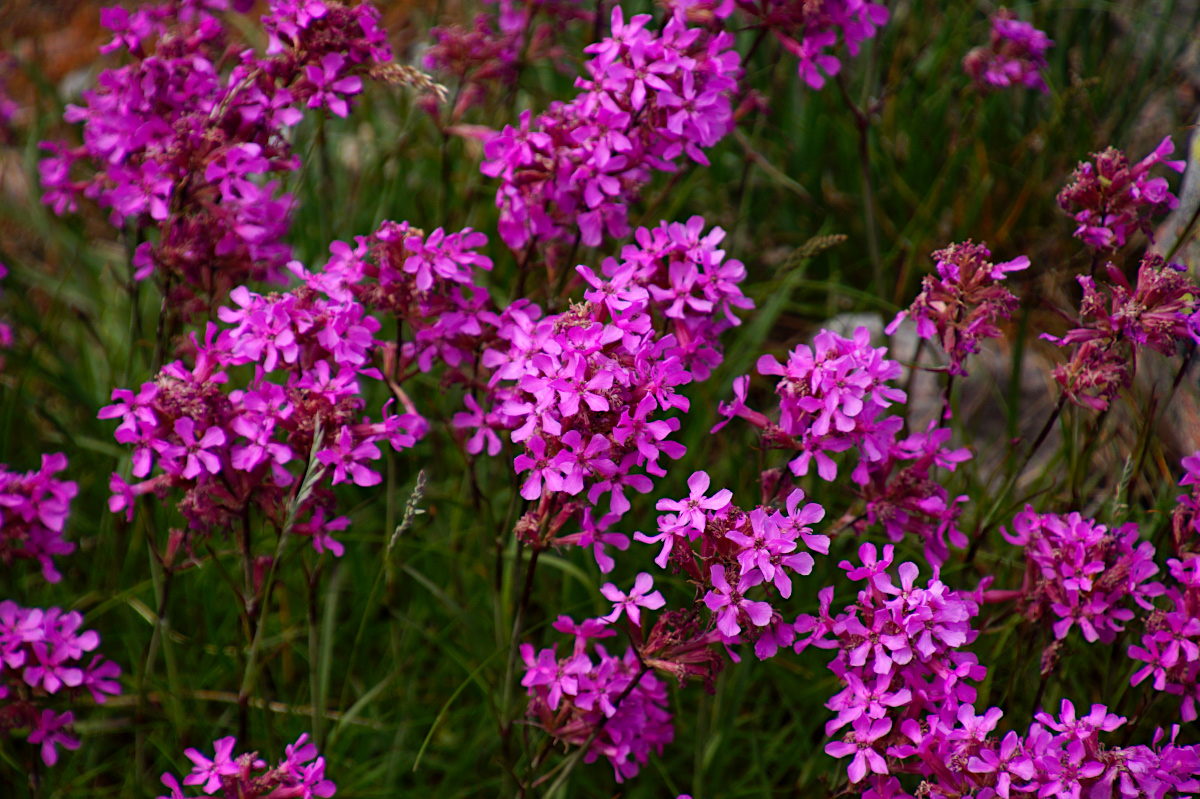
574 696
477 56
807 30
909 705
299 775
1155 312
833 396
649 97
1060 757
426 283
1170 645
1170 642
41 654
1112 200
230 448
571 697
738 551
962 303
1079 572
588 392
897 652
33 512
180 143
1015 55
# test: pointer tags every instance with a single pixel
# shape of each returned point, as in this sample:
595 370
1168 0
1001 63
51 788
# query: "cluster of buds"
1015 56
961 305
1111 200
491 52
41 661
1155 312
299 775
33 512
1079 572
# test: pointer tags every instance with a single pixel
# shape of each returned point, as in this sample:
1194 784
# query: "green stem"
312 475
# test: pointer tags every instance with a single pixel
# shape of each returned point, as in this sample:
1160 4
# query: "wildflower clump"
33 514
961 305
809 31
909 704
229 448
649 98
833 397
42 655
1014 56
741 564
1079 572
898 654
1170 645
591 393
1114 325
189 137
300 774
1060 755
1112 200
605 698
1170 642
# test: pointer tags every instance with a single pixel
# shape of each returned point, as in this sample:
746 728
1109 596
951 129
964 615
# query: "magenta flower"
861 744
874 568
48 731
199 457
1007 763
345 457
1015 55
300 774
540 468
797 521
577 462
208 773
639 597
729 603
813 60
962 304
1112 200
328 84
692 510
